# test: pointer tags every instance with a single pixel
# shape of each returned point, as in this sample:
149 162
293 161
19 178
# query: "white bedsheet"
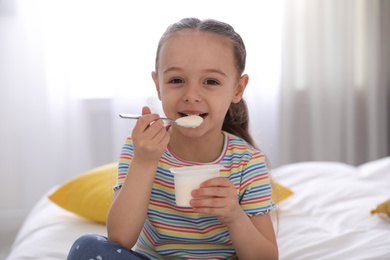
328 216
49 231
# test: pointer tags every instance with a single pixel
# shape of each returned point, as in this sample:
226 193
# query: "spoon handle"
134 116
129 116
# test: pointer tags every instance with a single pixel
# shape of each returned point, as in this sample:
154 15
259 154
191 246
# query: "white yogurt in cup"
189 178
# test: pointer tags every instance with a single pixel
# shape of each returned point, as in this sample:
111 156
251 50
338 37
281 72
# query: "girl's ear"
155 79
242 83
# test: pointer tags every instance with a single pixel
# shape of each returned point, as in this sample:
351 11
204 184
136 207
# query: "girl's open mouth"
203 115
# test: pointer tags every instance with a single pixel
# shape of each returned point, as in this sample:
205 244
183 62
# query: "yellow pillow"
280 192
90 194
383 208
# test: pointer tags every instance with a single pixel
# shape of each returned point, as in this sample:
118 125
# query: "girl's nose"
192 94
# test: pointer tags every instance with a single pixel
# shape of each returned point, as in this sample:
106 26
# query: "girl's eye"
176 81
211 82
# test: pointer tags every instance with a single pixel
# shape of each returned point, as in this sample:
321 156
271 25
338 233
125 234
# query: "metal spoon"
194 122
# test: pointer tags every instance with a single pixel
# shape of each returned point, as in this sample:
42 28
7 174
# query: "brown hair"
237 117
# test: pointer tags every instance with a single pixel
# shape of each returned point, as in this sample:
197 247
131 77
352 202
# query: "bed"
327 216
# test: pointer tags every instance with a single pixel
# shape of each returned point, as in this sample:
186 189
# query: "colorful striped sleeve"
255 194
125 157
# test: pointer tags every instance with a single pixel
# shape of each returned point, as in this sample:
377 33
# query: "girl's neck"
205 149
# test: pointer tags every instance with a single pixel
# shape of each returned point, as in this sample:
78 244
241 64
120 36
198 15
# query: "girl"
199 70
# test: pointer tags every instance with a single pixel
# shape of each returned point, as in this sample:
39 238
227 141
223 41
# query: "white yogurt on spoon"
189 121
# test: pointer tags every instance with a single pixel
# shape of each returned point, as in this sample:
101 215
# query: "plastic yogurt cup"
189 178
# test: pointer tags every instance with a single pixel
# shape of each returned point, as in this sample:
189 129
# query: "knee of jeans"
85 243
88 239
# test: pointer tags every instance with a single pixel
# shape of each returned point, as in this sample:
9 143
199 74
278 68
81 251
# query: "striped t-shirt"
173 232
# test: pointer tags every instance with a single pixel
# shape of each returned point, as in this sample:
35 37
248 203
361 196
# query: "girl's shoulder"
128 142
237 144
237 148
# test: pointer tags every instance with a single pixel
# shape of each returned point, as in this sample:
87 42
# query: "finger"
209 211
210 202
217 181
214 191
146 110
158 131
145 121
165 139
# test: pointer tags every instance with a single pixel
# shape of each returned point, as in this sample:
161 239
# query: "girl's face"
196 75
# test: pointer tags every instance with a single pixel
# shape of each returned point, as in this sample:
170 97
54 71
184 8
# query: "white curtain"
335 102
68 68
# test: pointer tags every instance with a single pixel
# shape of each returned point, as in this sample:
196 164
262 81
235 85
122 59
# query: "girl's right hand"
150 137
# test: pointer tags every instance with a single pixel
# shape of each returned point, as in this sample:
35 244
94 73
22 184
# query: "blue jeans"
97 247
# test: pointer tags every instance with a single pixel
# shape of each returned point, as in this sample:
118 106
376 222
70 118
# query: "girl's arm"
129 207
128 211
253 238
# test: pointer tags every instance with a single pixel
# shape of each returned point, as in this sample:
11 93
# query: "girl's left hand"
221 199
